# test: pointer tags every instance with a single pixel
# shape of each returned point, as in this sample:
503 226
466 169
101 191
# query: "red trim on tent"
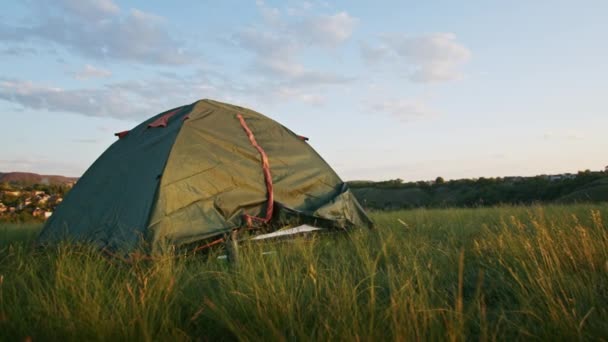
162 121
122 134
267 175
303 138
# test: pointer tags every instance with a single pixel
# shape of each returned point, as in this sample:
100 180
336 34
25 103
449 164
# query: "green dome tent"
197 172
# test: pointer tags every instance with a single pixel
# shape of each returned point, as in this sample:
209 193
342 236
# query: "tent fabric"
199 178
111 202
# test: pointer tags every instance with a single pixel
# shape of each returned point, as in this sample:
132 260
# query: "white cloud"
88 9
570 135
270 14
374 54
139 99
16 50
276 47
91 102
90 71
403 109
435 57
328 30
98 29
291 93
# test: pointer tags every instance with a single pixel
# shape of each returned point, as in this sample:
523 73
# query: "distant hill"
34 178
596 191
585 186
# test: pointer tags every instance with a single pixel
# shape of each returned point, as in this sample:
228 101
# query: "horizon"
368 180
383 91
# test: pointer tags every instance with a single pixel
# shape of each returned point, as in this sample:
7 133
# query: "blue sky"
384 89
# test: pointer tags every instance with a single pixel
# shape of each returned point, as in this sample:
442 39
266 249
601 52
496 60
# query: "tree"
439 180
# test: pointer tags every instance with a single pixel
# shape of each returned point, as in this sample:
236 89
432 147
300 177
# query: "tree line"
588 186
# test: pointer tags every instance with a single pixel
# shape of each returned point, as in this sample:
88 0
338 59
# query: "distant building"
561 176
3 207
43 199
55 199
47 214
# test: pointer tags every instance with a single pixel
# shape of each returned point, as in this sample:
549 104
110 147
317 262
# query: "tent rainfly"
195 173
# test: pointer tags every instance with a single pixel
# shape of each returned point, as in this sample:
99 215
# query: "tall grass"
454 274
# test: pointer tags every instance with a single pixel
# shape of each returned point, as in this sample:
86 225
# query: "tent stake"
232 247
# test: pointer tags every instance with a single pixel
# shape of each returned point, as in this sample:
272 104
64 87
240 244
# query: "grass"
507 273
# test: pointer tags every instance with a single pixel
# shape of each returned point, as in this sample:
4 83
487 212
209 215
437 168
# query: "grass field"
508 273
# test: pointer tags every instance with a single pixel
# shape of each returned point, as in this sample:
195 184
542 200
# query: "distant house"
42 213
55 199
569 176
561 176
3 208
43 198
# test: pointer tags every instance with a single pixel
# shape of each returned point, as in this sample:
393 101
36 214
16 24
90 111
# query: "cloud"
435 57
328 30
277 44
569 135
98 29
90 71
18 51
88 9
102 102
139 99
270 14
374 54
403 109
285 93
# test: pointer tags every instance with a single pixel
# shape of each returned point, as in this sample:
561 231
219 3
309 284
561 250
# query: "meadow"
502 273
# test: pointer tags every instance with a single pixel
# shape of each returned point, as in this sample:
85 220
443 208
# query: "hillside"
596 191
584 186
34 178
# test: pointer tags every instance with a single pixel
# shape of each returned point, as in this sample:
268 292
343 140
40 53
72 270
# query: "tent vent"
122 134
163 120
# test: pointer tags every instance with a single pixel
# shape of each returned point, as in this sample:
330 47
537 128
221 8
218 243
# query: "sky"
383 89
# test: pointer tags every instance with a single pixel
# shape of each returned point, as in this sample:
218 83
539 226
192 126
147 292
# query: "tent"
197 172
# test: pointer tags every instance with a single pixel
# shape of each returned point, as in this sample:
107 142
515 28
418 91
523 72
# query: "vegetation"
29 202
507 273
585 186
